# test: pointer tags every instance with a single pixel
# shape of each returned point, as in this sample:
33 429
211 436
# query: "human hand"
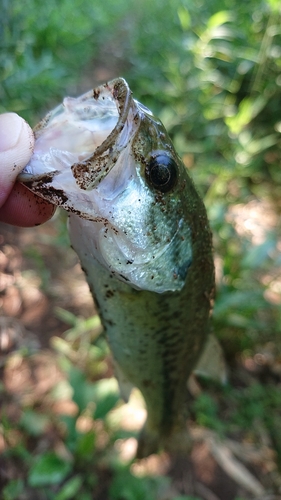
18 206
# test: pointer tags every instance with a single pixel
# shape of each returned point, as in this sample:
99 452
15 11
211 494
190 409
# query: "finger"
25 209
16 147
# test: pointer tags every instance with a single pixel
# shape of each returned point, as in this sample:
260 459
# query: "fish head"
105 158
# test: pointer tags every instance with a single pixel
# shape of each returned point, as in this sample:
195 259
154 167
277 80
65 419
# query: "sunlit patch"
272 281
102 436
65 407
84 423
154 465
272 297
130 416
3 444
12 336
253 220
126 448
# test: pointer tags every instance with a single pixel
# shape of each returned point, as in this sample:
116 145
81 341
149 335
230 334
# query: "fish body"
141 232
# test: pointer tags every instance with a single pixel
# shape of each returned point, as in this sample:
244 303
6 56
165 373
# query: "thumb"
16 147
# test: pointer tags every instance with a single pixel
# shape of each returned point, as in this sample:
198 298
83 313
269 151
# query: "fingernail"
10 129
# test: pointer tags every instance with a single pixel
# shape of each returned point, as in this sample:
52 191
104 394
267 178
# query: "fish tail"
148 442
175 442
178 443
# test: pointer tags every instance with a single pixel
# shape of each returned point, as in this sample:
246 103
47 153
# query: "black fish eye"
162 172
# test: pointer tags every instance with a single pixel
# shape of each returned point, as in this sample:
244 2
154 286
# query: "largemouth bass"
141 232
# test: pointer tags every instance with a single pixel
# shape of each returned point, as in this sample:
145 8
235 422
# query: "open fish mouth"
78 144
104 157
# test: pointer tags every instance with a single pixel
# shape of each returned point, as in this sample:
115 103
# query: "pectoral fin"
211 363
125 387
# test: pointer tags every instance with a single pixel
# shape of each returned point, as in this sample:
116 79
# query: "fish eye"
162 172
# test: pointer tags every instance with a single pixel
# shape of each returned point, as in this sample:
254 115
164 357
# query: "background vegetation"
212 72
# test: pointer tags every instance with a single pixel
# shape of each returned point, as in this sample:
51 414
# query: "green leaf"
82 390
48 469
248 109
70 489
106 395
244 300
256 256
125 486
184 17
70 423
13 489
106 404
33 422
220 18
85 445
274 4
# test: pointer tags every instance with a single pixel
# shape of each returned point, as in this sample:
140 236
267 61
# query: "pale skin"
18 206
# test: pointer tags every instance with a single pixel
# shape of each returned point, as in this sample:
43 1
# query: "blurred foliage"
211 71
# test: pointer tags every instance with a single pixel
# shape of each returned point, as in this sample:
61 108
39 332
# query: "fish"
142 235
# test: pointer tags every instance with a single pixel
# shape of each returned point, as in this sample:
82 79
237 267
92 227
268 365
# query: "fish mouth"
79 143
91 158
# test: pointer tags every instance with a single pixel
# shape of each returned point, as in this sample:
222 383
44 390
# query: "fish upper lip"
85 174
